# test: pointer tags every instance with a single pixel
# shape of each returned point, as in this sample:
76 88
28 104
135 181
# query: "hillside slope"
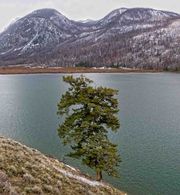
139 37
26 171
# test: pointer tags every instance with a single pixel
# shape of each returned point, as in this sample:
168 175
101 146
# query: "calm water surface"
148 140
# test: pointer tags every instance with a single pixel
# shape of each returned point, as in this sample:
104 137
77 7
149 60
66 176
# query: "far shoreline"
5 70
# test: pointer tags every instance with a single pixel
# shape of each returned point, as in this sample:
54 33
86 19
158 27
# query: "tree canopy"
90 114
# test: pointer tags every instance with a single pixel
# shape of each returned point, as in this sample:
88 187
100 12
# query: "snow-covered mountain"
127 37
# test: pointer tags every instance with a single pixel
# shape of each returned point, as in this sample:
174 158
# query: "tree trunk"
98 175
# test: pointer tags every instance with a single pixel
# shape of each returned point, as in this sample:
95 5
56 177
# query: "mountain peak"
148 14
123 16
46 13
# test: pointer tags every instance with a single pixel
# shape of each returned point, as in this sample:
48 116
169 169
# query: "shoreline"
38 70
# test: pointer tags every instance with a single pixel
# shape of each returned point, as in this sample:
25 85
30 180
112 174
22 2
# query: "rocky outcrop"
27 171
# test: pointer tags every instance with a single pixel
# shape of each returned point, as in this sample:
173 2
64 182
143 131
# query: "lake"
148 140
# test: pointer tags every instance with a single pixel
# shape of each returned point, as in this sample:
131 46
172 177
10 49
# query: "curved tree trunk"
98 175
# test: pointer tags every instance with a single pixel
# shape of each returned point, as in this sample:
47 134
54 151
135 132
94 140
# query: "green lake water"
148 140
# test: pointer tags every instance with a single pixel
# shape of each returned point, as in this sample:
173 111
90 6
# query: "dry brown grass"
36 70
27 171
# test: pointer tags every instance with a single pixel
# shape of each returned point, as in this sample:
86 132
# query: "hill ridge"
130 37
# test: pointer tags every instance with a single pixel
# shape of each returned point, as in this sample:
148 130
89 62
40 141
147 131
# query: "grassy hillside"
27 171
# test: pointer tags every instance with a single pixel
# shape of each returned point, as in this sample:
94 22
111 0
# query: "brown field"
38 69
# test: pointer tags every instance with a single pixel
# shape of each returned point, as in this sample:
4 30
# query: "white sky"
77 9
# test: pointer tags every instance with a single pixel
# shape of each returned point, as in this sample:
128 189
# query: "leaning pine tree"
90 113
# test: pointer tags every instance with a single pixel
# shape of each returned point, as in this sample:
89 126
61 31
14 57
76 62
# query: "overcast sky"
77 9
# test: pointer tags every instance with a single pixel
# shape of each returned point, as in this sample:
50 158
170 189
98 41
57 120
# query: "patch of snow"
28 30
29 44
87 21
17 49
72 168
79 178
6 52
